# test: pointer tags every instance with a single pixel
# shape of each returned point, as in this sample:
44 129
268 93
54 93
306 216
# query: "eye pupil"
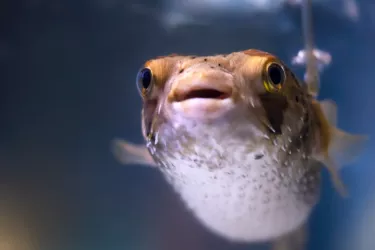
276 74
145 77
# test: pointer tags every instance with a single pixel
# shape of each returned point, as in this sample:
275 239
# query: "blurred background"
68 72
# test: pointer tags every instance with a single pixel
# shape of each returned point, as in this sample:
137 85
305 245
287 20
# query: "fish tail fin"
129 153
343 147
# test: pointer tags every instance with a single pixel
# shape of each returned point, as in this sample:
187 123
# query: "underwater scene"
187 124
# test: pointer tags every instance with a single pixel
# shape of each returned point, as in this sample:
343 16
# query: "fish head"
241 96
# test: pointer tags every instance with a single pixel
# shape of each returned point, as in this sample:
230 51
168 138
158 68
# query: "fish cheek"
274 105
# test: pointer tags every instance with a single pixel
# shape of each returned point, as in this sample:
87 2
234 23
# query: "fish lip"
203 90
212 106
202 96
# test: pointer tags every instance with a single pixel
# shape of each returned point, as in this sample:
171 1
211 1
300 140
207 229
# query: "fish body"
240 139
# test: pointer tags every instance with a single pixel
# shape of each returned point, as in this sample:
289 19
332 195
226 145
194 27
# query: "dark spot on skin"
148 129
182 70
219 65
306 127
264 174
211 67
151 137
193 57
274 105
258 156
205 60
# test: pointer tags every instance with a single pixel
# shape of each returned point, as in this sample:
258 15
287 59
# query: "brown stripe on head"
254 65
274 102
274 106
166 56
255 52
161 68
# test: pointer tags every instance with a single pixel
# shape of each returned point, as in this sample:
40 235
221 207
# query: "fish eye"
275 75
144 80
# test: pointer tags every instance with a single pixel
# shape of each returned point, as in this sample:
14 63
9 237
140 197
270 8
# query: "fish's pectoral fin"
344 147
341 149
329 109
333 170
129 153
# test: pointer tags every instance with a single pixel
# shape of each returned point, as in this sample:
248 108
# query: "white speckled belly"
245 201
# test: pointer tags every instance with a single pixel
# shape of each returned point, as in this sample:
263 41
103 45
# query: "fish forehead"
164 67
225 58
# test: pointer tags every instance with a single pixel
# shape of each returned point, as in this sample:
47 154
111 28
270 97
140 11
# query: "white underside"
241 202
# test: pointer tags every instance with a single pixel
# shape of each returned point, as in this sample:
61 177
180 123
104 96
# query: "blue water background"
69 70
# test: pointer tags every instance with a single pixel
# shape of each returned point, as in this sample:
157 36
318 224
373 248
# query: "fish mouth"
203 91
203 99
203 94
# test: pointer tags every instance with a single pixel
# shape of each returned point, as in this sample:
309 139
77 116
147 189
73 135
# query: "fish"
242 142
